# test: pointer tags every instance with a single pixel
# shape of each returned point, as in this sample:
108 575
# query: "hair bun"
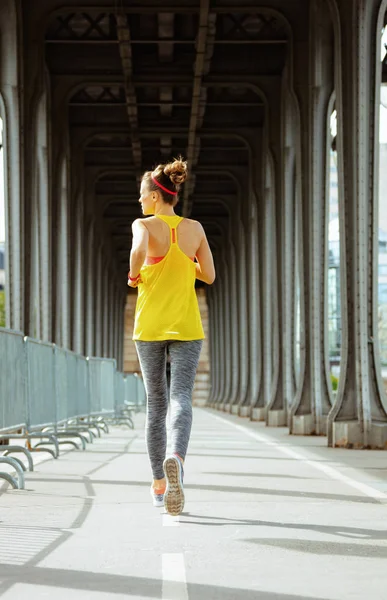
177 171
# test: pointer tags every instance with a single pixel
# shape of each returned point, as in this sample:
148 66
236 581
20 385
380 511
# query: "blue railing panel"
13 375
40 383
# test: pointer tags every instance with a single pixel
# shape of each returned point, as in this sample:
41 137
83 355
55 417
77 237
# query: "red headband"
163 188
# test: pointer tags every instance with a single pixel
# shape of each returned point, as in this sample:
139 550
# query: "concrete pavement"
268 517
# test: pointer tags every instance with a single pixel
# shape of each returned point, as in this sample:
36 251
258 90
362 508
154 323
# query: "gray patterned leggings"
184 357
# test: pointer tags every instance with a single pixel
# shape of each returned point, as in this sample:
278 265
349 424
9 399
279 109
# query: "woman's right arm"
205 269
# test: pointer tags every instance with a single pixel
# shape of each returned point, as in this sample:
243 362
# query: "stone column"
11 48
259 410
112 323
243 325
217 328
120 362
276 414
290 146
98 303
245 410
220 291
90 291
45 249
313 85
225 329
106 279
211 342
270 295
63 274
115 323
202 381
277 409
79 280
358 417
231 355
232 397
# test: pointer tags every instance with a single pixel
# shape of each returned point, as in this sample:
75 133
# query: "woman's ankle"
159 485
179 457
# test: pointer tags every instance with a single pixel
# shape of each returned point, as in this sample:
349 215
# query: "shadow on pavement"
130 586
346 532
229 490
323 548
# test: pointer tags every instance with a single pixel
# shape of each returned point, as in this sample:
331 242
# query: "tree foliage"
2 308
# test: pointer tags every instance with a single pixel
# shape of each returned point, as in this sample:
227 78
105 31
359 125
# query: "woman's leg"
184 364
152 356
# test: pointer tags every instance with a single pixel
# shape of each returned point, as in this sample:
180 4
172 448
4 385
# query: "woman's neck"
165 212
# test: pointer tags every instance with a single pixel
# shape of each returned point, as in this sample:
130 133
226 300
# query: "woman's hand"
134 281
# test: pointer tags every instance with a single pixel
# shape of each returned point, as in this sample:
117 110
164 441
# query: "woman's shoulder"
192 223
148 221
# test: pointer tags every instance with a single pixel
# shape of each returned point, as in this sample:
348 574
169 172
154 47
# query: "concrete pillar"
220 291
225 329
120 361
98 302
278 405
90 291
33 327
63 273
243 325
254 373
217 331
11 46
313 85
232 398
105 307
298 324
79 280
358 417
112 323
288 263
115 323
42 191
211 341
276 414
259 410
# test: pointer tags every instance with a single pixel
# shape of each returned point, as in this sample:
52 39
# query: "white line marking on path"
330 471
174 577
170 521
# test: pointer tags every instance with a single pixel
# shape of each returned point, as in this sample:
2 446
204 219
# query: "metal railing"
56 397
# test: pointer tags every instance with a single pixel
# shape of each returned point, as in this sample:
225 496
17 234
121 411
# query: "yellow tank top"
167 306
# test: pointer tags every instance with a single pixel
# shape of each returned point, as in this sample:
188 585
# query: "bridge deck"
268 517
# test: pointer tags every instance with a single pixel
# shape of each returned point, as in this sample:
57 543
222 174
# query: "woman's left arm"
139 248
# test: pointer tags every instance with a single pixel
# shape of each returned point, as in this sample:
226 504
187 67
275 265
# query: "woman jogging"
163 267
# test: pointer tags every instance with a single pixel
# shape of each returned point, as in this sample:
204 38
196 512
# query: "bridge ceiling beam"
145 83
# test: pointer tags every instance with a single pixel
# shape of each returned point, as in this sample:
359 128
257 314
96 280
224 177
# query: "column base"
303 425
244 411
226 408
259 414
349 435
234 409
276 418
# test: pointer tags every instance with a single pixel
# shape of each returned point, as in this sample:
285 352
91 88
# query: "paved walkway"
268 517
